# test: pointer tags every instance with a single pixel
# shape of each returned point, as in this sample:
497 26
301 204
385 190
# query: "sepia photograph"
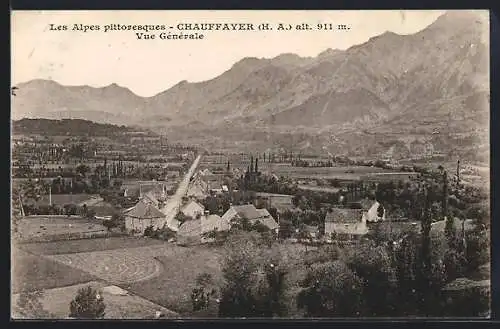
285 164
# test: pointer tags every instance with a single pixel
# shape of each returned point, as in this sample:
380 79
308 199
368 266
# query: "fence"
70 236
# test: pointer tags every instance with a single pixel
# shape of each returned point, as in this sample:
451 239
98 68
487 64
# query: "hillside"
429 89
67 127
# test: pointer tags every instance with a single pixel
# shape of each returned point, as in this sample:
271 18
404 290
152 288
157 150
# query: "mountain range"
394 95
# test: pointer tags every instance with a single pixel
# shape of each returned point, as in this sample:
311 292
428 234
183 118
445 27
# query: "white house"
142 215
251 213
192 231
347 223
193 209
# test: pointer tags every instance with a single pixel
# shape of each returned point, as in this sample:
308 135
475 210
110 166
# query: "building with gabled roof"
193 231
251 213
193 209
142 215
345 222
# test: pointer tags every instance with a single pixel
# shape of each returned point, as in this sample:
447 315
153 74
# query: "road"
173 204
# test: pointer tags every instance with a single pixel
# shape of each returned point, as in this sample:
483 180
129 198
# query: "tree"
201 294
82 169
449 228
88 304
331 290
109 224
372 264
238 271
29 305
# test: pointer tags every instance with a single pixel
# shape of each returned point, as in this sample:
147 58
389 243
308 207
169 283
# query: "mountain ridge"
338 92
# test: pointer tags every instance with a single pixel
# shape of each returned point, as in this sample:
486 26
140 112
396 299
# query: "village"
139 215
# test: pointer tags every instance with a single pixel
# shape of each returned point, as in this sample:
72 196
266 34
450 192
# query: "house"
371 210
193 209
251 213
345 223
155 191
141 216
192 231
459 225
198 188
214 223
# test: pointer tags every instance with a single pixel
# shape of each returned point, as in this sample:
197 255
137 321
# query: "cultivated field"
88 245
35 227
340 172
30 272
158 271
120 304
172 289
279 201
118 265
319 188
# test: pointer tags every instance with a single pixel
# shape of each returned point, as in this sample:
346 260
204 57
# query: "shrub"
88 304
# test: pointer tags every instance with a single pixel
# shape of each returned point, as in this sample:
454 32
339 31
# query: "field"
63 199
173 287
120 304
279 201
319 188
35 227
157 271
86 245
33 272
153 272
285 169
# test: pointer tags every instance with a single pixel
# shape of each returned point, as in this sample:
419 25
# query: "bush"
88 304
109 224
149 231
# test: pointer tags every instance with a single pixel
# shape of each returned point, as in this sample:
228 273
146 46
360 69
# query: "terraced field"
119 266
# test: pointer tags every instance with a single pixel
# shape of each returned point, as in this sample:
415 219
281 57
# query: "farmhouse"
251 213
139 189
345 223
198 188
193 209
212 223
142 215
193 231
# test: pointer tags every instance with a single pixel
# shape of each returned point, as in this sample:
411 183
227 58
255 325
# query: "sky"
148 67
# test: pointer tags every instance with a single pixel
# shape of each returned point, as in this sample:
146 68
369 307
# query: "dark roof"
344 215
248 211
143 210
